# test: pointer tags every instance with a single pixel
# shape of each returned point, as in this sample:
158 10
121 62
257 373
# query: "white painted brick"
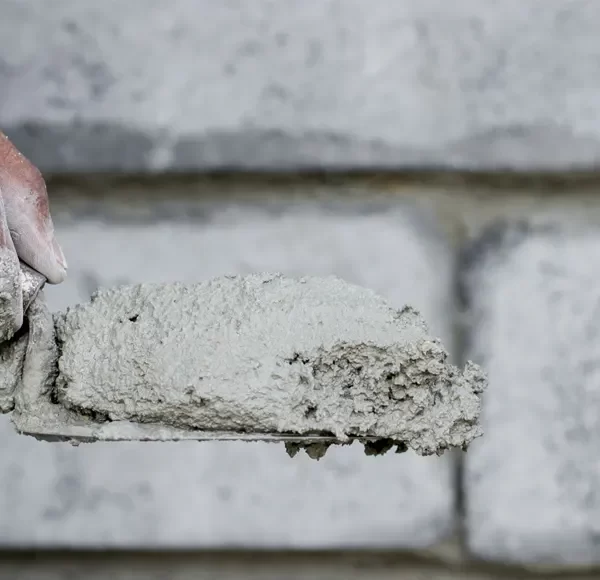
532 482
236 494
196 84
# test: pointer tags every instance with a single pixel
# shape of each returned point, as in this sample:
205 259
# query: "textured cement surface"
258 354
11 296
12 359
268 354
20 290
145 85
250 495
531 485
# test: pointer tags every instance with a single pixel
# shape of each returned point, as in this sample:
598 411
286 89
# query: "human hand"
26 233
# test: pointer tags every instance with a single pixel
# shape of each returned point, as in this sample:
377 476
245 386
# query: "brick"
531 482
196 84
236 494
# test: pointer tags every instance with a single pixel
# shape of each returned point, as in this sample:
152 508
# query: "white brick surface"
145 84
532 482
216 495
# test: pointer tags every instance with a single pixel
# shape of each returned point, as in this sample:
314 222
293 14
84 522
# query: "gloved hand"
26 233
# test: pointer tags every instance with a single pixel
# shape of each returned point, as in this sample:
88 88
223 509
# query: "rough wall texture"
190 84
532 290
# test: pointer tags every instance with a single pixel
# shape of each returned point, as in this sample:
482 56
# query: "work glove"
26 233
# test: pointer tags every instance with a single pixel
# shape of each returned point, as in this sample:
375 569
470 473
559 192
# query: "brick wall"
476 129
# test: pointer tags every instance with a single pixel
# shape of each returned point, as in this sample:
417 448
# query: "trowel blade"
59 429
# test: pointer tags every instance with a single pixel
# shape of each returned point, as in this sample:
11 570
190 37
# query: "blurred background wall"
445 154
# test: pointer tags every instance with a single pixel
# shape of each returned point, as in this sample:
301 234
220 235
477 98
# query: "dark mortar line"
460 343
550 182
364 560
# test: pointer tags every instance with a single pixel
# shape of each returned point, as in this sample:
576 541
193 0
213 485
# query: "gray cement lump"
262 354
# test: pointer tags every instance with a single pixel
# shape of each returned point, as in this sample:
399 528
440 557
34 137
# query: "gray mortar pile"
311 361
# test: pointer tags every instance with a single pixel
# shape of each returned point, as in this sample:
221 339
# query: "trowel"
383 381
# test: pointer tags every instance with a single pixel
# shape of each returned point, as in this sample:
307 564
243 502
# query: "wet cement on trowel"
260 354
